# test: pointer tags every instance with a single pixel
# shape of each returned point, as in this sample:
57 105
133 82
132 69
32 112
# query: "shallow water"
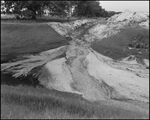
8 79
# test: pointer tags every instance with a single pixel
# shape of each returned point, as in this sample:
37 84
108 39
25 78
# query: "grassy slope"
29 102
28 38
42 19
116 46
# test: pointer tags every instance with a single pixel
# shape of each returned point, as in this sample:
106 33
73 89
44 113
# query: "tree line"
32 8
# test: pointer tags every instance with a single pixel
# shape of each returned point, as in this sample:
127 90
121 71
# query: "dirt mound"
79 69
128 17
117 22
65 28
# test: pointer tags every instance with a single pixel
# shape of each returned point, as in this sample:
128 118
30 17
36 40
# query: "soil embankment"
77 68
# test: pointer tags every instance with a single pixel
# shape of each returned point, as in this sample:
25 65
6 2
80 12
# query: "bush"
17 17
28 14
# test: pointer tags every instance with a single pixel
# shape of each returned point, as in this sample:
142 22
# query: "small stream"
7 79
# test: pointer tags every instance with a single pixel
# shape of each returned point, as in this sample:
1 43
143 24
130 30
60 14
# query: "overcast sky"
120 6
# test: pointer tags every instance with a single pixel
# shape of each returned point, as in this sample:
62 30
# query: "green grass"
28 38
11 18
29 102
116 46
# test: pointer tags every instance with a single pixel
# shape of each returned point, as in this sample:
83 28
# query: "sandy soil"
84 71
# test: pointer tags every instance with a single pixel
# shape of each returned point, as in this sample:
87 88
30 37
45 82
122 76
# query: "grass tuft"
29 102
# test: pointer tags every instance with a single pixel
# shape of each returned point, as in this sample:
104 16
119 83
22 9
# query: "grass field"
29 102
26 38
12 18
116 46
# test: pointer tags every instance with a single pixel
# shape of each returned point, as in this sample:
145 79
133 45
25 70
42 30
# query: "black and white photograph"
74 59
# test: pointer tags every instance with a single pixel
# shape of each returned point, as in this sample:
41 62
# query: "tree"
2 7
63 8
59 8
33 7
87 8
103 13
111 13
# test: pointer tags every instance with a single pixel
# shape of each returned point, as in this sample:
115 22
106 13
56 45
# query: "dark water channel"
8 79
